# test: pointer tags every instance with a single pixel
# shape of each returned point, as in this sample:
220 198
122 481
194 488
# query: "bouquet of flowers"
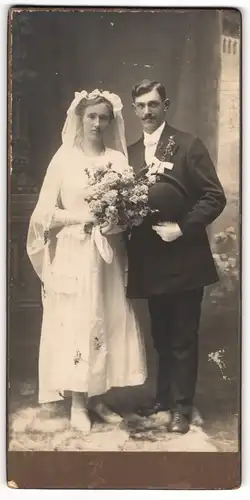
117 198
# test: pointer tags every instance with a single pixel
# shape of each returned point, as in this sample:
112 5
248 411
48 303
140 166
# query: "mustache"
149 115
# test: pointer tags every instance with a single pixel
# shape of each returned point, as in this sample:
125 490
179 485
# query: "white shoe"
106 414
80 420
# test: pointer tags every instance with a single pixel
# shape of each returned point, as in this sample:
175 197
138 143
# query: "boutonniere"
167 151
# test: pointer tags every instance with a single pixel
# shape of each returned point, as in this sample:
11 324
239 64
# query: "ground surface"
47 428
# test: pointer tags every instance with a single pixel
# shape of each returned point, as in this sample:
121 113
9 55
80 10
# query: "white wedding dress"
90 339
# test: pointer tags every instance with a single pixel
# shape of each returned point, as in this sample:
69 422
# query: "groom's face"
150 108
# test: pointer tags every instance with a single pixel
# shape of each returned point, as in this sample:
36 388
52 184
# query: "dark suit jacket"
155 266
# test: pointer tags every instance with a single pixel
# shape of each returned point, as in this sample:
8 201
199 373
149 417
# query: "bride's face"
95 120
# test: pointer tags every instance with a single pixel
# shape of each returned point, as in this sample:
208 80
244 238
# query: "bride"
90 339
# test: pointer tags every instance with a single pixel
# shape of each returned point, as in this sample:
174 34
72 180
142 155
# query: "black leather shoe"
179 423
156 407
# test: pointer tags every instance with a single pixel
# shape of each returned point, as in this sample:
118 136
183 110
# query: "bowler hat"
167 196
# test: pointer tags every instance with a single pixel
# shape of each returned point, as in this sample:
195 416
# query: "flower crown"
114 99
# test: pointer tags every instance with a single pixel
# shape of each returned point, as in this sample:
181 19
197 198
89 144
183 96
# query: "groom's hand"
168 231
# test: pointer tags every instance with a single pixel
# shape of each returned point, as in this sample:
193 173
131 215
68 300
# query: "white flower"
95 206
124 193
230 231
223 257
112 214
127 176
151 178
111 178
134 198
110 196
141 189
130 213
219 237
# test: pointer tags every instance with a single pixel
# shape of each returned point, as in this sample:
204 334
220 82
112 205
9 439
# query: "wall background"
68 51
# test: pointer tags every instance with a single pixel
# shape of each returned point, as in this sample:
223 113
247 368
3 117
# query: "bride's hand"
64 217
108 229
105 228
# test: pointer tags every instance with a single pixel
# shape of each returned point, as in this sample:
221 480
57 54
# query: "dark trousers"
175 322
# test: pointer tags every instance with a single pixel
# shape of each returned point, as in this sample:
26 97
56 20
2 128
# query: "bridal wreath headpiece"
70 126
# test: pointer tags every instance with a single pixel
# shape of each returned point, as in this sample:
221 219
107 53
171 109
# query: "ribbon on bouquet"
102 244
96 236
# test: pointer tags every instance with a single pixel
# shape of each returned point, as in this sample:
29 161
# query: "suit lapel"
166 133
139 159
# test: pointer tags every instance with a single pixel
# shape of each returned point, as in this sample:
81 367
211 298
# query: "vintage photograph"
124 154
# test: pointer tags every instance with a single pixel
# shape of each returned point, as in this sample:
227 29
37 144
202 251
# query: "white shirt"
150 143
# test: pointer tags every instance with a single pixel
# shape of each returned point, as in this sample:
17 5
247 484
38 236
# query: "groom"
170 262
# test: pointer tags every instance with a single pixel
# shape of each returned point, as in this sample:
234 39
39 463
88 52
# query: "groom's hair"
146 86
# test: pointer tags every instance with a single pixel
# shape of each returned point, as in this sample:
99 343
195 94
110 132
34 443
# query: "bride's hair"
85 103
